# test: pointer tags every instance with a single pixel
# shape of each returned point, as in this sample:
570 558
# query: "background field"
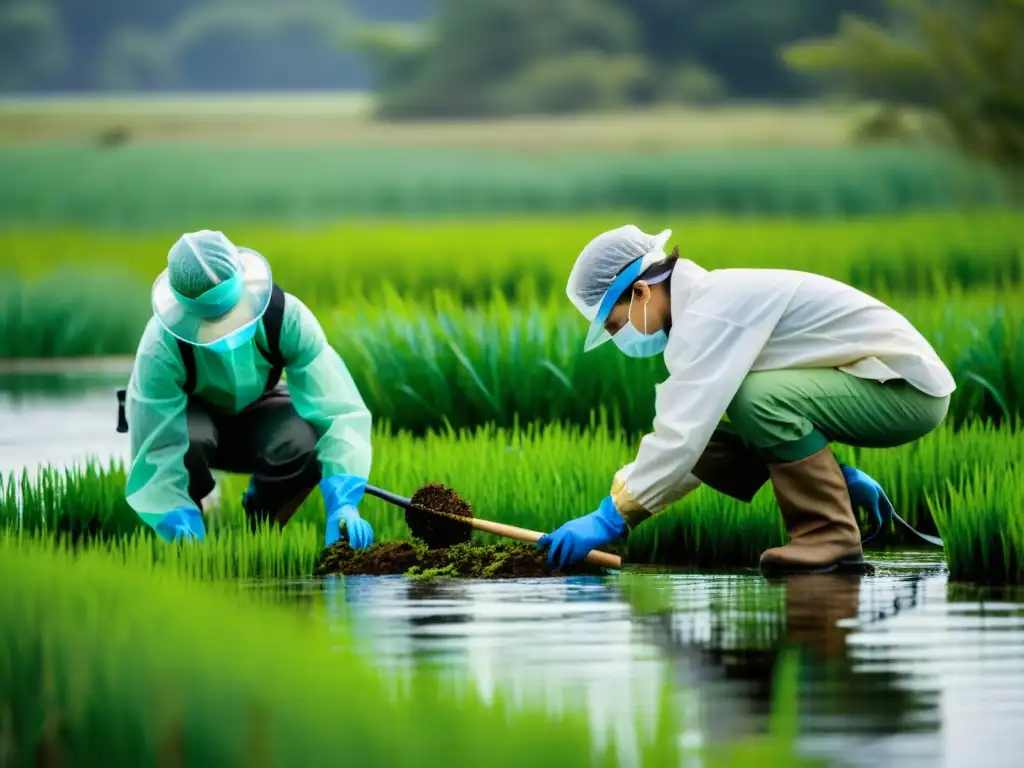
474 259
269 120
187 187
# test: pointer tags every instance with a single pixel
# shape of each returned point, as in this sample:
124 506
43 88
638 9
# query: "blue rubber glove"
571 543
249 493
866 493
342 494
181 523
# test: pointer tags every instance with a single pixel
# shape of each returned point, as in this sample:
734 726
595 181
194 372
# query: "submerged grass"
519 257
536 478
187 185
102 666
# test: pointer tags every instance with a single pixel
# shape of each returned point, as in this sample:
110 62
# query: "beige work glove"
632 511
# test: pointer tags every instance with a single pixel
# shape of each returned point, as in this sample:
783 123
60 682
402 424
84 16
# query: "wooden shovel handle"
594 556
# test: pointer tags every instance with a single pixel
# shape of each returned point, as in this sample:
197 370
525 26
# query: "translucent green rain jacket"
321 388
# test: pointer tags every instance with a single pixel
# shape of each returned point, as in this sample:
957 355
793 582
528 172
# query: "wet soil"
435 531
415 559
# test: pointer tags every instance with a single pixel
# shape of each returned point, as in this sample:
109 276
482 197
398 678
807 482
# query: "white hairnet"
606 256
200 260
211 289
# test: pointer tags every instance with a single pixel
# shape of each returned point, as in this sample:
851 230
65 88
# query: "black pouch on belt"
122 422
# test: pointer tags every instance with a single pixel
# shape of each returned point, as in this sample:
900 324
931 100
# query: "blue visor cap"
597 335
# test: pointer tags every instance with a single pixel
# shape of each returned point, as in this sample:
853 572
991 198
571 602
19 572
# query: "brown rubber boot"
816 508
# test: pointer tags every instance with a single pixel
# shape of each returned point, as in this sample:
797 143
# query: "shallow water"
897 668
58 420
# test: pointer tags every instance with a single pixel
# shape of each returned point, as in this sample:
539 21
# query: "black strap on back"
188 357
273 319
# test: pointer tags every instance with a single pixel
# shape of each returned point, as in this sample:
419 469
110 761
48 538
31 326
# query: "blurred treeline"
960 63
448 57
189 45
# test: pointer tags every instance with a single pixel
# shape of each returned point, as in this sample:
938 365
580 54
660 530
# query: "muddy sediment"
436 531
464 560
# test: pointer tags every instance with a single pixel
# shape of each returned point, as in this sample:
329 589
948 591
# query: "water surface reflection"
883 663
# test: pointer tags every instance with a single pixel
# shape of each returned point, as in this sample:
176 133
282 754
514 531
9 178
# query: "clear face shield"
227 315
598 334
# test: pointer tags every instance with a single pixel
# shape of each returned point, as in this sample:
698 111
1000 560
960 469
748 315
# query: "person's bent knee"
755 406
766 413
929 417
202 433
292 450
202 444
939 411
200 478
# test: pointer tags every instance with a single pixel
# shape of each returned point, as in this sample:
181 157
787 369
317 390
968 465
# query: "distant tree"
736 40
33 48
497 57
959 62
243 46
236 44
492 57
91 26
136 61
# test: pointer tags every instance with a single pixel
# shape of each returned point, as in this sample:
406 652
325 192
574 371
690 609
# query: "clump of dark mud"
415 559
435 531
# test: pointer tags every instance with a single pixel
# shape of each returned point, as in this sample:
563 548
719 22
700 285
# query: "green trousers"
782 416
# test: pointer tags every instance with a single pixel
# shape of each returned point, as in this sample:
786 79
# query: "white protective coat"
729 322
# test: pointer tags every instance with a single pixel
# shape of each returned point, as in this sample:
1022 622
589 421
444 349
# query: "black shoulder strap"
273 319
188 357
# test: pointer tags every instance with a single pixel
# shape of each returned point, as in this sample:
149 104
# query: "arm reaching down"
156 409
325 395
709 364
720 337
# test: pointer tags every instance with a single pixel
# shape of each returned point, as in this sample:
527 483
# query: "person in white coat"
766 367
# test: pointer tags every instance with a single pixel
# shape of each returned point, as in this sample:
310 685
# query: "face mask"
632 343
234 341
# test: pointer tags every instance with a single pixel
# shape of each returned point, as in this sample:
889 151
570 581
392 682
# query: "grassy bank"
536 479
102 666
190 186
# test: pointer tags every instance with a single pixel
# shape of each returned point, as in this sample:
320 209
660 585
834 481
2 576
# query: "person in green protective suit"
206 392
